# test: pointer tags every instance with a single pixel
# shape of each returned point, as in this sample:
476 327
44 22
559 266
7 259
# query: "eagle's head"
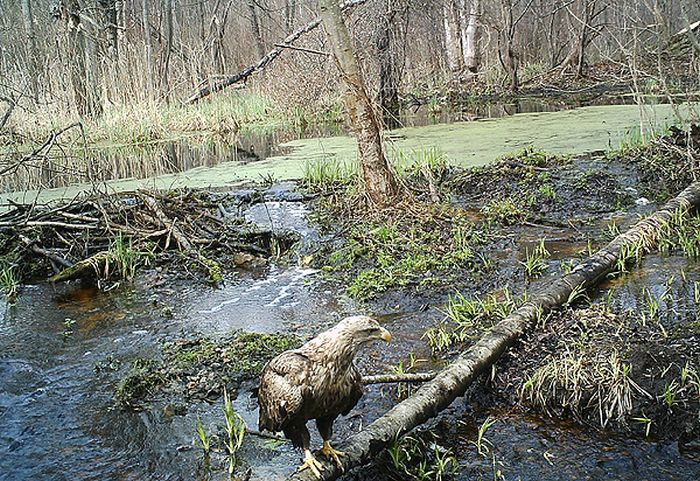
360 330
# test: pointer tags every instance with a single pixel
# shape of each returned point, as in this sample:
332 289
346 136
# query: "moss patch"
430 247
201 367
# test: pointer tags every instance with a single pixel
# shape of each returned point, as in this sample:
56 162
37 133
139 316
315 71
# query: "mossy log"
452 382
91 266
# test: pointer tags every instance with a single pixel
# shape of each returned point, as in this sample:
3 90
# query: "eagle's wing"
356 391
285 384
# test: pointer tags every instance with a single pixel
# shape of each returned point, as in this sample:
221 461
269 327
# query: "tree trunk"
111 16
119 27
165 75
506 45
33 62
583 34
391 49
452 382
380 184
471 38
453 39
290 10
82 63
255 25
148 48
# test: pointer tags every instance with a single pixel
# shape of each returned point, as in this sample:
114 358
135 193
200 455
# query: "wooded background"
85 55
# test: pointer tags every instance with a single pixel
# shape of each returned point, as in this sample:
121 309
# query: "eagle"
316 381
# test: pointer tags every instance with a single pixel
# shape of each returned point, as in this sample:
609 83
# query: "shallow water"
465 139
57 420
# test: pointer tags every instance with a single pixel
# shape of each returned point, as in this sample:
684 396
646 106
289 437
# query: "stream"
57 380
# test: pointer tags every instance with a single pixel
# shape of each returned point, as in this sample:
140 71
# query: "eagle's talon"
328 451
311 463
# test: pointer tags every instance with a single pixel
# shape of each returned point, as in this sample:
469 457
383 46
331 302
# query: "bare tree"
583 31
380 183
81 60
33 68
255 25
391 49
453 38
507 54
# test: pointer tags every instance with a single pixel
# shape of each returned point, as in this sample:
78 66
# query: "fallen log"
264 61
452 382
93 265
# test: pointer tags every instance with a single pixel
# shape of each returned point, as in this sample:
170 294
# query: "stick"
450 383
48 223
302 49
160 215
43 252
394 378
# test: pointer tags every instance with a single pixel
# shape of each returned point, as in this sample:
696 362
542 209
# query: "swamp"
509 191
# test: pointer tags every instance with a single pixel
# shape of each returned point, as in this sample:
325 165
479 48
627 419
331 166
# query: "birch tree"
470 36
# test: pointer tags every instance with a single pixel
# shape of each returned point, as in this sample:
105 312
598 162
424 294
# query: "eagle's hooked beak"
385 335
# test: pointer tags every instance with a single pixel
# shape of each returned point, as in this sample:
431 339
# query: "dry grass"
149 122
610 370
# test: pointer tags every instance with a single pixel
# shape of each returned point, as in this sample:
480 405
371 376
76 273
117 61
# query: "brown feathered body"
317 381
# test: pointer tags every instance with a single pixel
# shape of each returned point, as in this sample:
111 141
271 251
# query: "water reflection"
103 163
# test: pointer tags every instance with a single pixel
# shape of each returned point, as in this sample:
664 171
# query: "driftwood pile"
77 238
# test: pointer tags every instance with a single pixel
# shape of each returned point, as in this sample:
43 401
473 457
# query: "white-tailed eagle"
316 381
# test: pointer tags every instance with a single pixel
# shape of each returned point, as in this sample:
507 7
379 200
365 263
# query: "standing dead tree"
452 382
